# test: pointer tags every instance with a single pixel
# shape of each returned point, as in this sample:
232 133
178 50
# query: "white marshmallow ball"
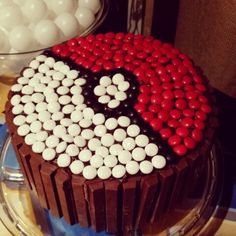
84 16
60 6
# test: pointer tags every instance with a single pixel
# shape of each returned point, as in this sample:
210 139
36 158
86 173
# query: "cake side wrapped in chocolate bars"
110 130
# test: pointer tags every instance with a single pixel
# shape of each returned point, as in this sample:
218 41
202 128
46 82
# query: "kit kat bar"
181 171
48 172
149 187
130 190
96 193
166 178
64 189
112 192
81 204
36 162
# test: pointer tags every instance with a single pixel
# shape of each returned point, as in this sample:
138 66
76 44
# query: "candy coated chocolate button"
132 167
138 154
110 161
165 133
89 172
76 167
175 114
124 157
49 154
63 160
187 122
158 161
197 135
189 143
104 172
156 124
163 115
180 149
118 171
180 104
146 167
128 144
107 140
182 131
174 140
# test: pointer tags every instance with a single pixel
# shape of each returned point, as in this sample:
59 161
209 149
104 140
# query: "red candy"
189 143
175 114
156 124
163 115
165 133
174 140
180 104
180 150
182 131
197 135
187 122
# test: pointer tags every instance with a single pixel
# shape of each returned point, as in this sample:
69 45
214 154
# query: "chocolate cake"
111 130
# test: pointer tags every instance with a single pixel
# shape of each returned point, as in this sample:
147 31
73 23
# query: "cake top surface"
111 105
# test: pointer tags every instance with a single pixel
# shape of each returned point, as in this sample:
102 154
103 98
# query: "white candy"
102 151
105 81
93 144
42 106
61 147
138 154
62 90
63 6
56 116
89 172
64 100
28 73
119 135
19 120
72 150
66 122
87 134
37 97
59 131
128 144
104 172
49 125
88 113
104 99
52 141
38 75
76 167
92 5
31 118
107 140
85 155
53 107
100 130
96 161
68 24
77 99
46 32
41 136
115 149
67 82
16 87
132 167
151 149
76 116
120 96
85 17
142 140
99 90
29 108
111 123
80 107
159 161
43 68
111 90
68 109
51 97
74 130
50 61
39 88
48 91
30 139
146 167
79 141
34 82
49 154
117 78
41 58
46 79
123 86
35 126
118 171
80 81
84 123
124 121
63 160
113 103
38 147
68 138
64 69
25 99
23 80
58 65
110 161
98 119
124 157
15 100
72 74
75 89
27 89
133 130
16 110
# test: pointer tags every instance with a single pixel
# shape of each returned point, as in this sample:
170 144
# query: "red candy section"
172 94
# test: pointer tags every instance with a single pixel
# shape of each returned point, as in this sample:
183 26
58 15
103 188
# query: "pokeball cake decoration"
68 122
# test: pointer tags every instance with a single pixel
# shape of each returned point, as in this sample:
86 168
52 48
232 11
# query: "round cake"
111 130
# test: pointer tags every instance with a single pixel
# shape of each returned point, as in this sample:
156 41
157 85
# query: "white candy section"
54 119
111 91
35 24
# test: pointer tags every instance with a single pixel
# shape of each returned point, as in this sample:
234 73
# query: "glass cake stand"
21 213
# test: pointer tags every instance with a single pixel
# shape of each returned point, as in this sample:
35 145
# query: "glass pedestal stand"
22 215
